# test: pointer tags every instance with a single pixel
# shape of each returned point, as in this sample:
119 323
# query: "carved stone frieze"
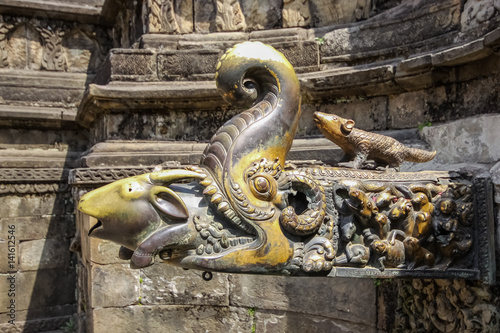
101 176
229 16
170 16
53 56
33 181
162 17
26 175
477 12
51 45
5 28
446 306
296 13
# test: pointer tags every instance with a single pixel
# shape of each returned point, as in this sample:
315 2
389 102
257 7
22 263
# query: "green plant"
378 282
320 40
426 123
251 313
69 326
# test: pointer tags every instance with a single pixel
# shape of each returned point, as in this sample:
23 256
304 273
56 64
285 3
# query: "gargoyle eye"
263 187
261 184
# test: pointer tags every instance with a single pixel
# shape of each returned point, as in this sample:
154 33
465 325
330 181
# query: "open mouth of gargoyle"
96 226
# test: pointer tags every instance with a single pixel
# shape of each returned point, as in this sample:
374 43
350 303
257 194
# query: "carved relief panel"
51 46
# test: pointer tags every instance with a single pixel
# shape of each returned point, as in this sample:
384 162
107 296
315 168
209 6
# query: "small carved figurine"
401 214
390 253
361 146
355 254
417 255
361 205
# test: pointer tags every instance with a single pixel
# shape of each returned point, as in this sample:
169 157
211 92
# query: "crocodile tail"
419 155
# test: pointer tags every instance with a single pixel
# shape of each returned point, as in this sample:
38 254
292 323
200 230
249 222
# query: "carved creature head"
420 199
348 228
447 206
400 209
332 126
380 246
411 243
131 209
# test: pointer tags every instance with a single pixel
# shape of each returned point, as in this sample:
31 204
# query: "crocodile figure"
361 145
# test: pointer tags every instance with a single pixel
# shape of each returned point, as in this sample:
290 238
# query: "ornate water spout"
244 209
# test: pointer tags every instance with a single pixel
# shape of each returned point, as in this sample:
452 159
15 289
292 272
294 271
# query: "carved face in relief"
380 246
447 206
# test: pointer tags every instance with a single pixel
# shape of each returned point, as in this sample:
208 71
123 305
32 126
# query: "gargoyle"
243 210
243 184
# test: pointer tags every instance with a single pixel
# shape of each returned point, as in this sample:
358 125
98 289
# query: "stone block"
49 325
214 41
43 88
492 39
276 36
417 63
320 149
302 55
165 125
287 322
461 54
166 318
36 227
187 65
132 65
417 81
44 254
262 14
391 32
9 249
473 140
113 285
41 314
369 114
338 83
104 252
40 289
167 284
477 96
409 110
338 298
35 205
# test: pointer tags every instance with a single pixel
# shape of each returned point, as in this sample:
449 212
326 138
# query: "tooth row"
217 247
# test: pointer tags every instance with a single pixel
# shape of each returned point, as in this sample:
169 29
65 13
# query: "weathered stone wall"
110 88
